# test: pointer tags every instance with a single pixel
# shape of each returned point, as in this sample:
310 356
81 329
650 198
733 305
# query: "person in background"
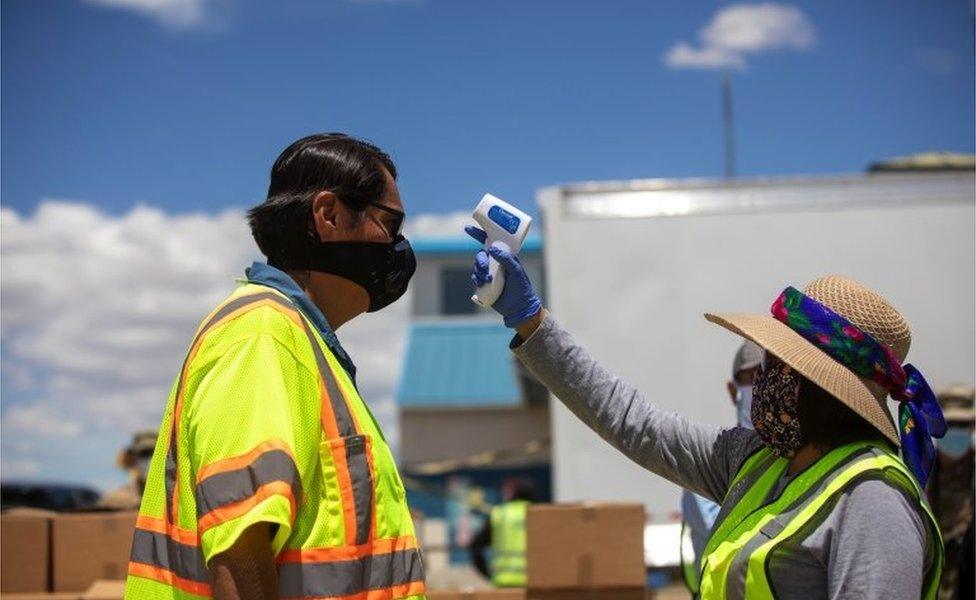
698 512
504 532
816 501
950 489
134 460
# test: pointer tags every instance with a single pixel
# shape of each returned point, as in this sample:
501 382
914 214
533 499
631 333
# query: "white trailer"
632 266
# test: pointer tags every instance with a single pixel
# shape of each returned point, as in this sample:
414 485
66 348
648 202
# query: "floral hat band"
920 416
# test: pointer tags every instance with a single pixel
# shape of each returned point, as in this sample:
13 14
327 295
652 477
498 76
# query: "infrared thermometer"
503 223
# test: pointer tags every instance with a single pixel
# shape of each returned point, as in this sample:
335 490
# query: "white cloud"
180 14
683 55
42 421
19 468
98 310
741 30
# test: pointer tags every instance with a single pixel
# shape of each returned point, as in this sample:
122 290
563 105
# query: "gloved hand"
518 301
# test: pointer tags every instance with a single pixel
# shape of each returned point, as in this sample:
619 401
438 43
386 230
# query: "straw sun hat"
865 309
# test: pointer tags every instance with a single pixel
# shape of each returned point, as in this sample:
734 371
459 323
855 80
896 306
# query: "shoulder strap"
757 475
749 465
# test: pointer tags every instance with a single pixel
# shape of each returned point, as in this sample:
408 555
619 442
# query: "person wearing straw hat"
816 502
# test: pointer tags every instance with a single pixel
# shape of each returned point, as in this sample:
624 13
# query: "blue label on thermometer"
504 219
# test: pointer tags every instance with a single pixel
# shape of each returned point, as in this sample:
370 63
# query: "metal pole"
728 127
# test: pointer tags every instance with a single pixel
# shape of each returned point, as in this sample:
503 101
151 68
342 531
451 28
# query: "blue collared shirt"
263 274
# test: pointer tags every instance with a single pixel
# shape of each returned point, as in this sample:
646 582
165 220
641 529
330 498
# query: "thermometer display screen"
504 219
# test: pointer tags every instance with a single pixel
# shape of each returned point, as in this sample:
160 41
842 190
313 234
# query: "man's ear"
730 386
325 208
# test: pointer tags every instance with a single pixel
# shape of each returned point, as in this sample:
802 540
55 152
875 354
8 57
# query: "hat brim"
816 365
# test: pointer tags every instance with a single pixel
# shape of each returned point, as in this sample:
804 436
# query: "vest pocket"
359 477
348 486
393 519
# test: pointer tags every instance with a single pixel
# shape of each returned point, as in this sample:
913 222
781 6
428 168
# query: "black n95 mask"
383 269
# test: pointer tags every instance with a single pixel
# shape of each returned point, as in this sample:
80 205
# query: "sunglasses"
395 227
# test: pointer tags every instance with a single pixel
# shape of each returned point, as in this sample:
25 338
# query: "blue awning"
459 363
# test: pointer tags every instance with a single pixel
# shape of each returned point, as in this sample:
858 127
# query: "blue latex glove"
518 301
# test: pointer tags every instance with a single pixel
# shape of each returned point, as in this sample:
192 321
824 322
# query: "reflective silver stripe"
362 485
157 550
735 587
228 487
344 421
736 493
171 450
341 578
170 473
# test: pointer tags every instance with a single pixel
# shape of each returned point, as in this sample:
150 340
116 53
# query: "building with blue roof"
473 422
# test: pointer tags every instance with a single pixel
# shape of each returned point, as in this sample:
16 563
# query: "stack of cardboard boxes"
25 542
577 552
497 594
65 553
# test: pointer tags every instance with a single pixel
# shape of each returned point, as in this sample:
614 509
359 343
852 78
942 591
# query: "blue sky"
114 106
134 132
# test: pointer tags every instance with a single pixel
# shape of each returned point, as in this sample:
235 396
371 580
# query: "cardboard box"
25 551
41 596
444 595
585 546
492 594
499 594
590 594
104 589
521 594
89 547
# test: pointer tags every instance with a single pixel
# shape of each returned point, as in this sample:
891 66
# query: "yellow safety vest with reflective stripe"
264 425
508 544
686 555
735 560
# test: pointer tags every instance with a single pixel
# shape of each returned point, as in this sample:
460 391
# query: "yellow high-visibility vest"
264 425
508 544
735 560
686 556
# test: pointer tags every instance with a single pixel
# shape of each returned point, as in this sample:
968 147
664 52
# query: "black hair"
350 168
524 490
828 423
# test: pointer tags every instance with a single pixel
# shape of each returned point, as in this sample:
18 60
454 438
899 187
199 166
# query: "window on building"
456 291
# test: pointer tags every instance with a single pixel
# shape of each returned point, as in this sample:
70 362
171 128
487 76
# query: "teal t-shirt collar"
264 274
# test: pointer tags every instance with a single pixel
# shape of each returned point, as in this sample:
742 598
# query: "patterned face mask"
775 412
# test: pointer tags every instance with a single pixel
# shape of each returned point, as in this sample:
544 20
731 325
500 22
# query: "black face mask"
383 269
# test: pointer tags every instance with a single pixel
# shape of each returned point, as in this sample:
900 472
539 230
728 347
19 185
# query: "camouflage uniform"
128 496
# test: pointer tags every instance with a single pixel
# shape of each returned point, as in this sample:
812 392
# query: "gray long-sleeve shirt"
872 545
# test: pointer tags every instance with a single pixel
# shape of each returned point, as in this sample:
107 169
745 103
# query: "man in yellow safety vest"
504 531
270 477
